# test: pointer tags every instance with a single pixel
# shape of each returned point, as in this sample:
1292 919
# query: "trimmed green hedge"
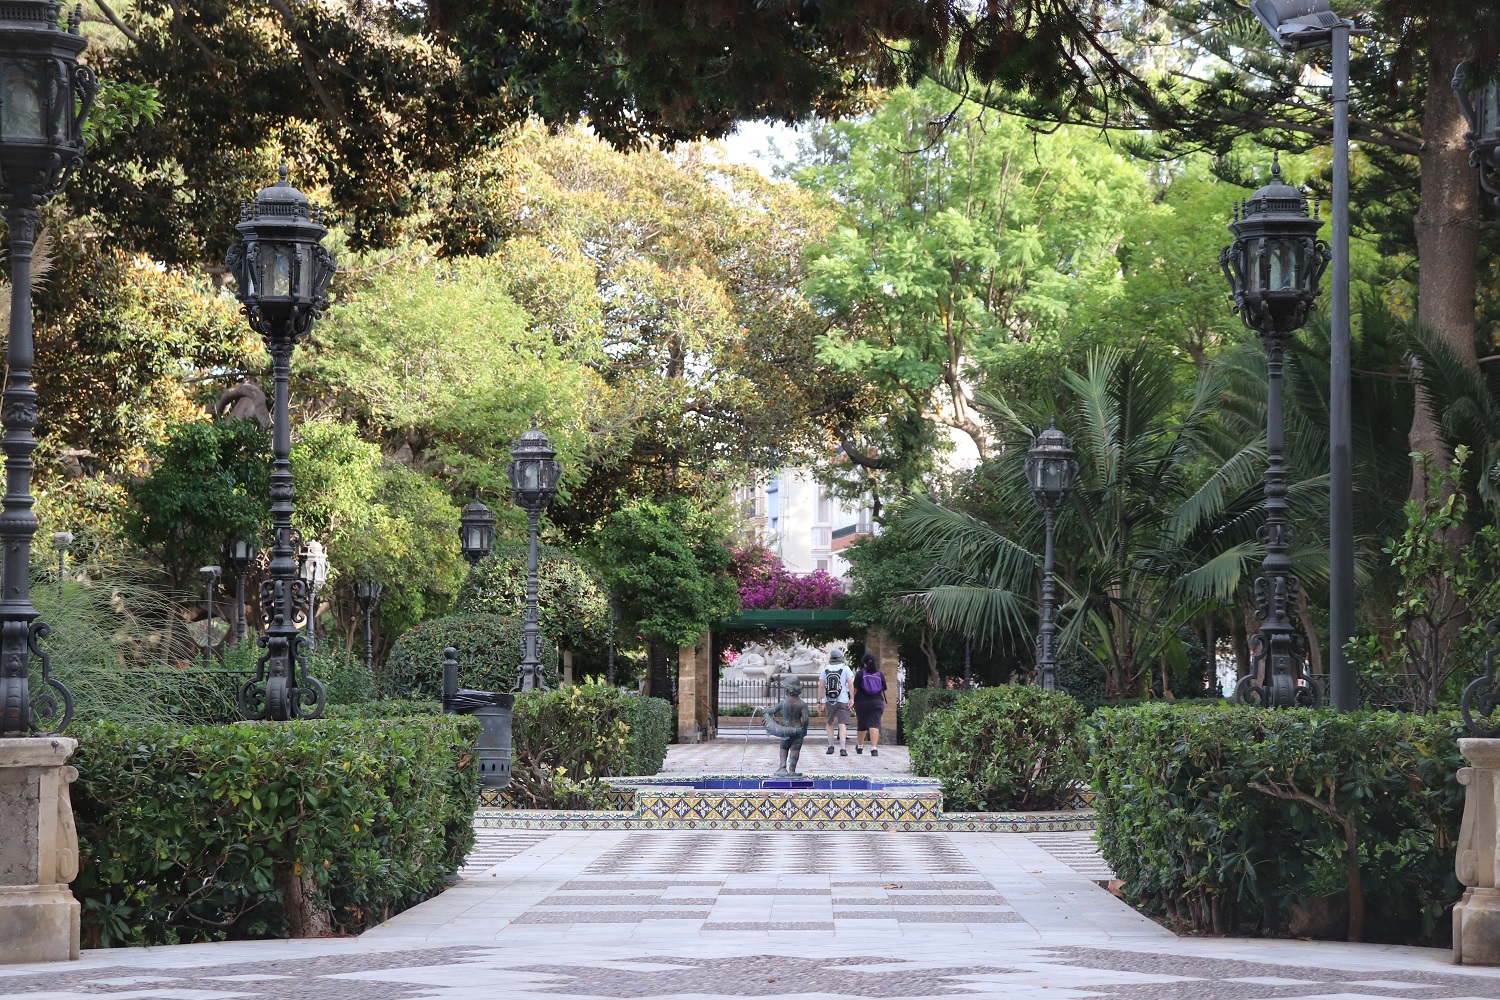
920 702
394 708
267 829
1230 818
1007 747
650 733
489 651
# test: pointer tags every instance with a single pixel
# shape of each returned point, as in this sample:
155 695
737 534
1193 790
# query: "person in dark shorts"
869 705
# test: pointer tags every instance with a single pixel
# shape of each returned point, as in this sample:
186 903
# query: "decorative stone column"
1476 918
38 850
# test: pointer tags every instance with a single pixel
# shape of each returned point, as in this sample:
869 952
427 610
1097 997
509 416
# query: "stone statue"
805 660
752 660
788 720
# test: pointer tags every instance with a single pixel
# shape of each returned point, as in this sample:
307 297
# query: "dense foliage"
211 832
1231 818
489 653
1002 748
572 607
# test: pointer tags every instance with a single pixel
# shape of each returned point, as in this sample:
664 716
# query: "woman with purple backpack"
869 704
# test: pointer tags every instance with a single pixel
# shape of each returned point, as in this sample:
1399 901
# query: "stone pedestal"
38 851
1476 918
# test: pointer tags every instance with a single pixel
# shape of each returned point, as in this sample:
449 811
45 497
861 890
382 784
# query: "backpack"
833 684
872 682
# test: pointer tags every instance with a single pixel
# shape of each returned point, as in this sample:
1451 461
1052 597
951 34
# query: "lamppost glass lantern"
1051 468
280 267
1276 259
45 97
239 556
367 591
1481 109
314 570
533 470
476 531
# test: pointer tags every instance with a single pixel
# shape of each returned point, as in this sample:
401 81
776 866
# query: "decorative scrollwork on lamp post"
534 472
281 270
47 97
1273 267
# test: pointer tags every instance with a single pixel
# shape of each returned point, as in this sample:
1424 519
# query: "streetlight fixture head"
367 590
280 266
62 541
1481 109
533 471
1051 468
314 568
208 574
476 531
1297 24
45 97
239 553
1276 259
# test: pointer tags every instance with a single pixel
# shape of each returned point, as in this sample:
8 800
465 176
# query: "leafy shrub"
1008 747
344 674
394 708
650 733
1232 817
489 651
572 606
920 702
267 829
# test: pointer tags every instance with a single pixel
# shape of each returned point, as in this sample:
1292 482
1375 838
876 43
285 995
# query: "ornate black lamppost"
239 556
45 96
533 473
367 589
282 272
1051 470
476 532
1481 108
314 572
1273 267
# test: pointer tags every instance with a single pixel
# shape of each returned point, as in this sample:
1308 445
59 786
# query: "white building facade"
792 515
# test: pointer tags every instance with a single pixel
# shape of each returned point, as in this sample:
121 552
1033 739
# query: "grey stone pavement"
707 914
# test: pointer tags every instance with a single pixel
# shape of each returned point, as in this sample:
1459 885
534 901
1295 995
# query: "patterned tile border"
546 819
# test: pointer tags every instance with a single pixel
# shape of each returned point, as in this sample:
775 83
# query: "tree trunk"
1447 228
659 672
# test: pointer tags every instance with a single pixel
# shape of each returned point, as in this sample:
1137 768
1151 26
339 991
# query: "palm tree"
1160 529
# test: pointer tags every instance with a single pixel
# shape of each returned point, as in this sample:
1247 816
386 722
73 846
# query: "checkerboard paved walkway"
690 914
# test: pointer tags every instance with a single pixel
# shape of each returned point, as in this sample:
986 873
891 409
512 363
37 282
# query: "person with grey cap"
837 683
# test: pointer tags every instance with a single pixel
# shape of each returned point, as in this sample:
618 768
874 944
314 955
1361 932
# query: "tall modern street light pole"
47 97
281 271
1273 267
1296 25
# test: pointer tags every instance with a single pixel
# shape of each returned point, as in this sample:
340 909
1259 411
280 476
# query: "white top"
847 687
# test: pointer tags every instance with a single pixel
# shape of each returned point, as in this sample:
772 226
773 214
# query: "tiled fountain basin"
755 802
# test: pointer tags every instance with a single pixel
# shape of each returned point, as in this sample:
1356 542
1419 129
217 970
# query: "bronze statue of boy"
788 720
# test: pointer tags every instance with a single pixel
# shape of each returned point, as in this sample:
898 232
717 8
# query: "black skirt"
868 712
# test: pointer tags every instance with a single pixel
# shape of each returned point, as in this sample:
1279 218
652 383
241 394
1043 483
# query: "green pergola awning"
788 618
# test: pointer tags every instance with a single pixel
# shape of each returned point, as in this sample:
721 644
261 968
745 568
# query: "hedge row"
266 829
489 653
1231 818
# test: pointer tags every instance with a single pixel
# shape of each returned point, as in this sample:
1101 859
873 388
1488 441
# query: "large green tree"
963 231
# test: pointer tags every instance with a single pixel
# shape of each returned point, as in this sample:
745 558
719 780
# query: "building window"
822 538
825 507
822 564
